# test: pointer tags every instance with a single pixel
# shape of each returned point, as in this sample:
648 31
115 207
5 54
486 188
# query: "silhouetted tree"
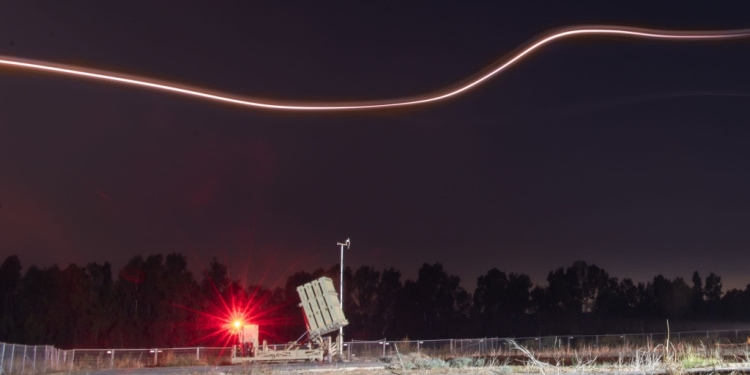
572 292
437 304
10 281
490 301
38 317
364 299
215 281
101 304
696 295
613 300
155 301
499 301
72 315
736 304
518 299
680 298
671 298
713 293
174 314
662 295
389 289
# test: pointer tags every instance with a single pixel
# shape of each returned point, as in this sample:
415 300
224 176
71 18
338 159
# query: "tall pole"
341 281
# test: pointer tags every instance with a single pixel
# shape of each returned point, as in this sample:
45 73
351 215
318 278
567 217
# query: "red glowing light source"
228 315
235 321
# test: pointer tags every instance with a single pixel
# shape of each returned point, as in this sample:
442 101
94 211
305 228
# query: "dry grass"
667 357
664 357
660 358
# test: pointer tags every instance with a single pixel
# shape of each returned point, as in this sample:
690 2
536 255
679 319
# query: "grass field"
671 358
663 358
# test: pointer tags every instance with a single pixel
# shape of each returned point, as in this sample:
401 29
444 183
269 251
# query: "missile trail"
430 97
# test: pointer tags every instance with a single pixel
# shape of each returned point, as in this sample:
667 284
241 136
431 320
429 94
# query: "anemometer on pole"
347 243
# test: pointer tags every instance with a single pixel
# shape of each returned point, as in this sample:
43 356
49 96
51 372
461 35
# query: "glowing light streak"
430 97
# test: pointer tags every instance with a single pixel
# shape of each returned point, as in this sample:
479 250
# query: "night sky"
630 154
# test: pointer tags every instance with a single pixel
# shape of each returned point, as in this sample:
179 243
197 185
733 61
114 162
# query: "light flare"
228 311
430 97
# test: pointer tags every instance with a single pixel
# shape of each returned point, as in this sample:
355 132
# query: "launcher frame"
323 314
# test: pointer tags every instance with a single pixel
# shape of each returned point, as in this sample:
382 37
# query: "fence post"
451 346
12 355
2 359
112 360
72 359
33 363
47 359
198 354
23 359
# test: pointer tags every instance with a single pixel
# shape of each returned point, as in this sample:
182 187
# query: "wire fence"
27 360
728 339
24 359
89 359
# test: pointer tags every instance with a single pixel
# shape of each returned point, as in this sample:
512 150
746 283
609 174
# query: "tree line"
157 302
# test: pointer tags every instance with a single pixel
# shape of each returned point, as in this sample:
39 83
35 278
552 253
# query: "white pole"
341 284
341 289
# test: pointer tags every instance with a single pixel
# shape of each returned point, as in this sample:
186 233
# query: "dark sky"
630 154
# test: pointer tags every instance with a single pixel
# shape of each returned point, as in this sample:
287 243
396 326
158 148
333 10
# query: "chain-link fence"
22 359
739 339
88 359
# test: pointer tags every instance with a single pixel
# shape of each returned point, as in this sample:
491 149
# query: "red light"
228 314
234 322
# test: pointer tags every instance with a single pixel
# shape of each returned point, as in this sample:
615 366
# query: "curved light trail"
430 97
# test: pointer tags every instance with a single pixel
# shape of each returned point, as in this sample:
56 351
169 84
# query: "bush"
461 362
431 363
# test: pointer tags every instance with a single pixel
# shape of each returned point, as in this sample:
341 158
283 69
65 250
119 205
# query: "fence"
22 359
89 359
502 346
